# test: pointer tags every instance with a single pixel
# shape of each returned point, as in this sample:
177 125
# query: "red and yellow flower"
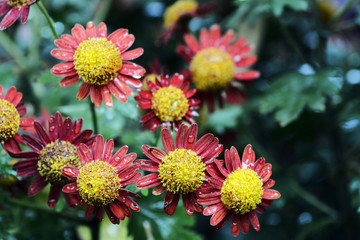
101 180
14 9
11 112
101 61
180 172
215 62
170 102
240 191
51 151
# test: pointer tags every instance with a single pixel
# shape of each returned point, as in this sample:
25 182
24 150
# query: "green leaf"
291 93
231 114
279 5
47 77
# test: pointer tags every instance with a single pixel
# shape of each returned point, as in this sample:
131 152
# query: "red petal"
130 81
149 181
79 33
40 130
154 153
64 69
108 150
124 43
248 157
69 41
147 165
118 156
177 80
106 96
101 30
158 190
54 195
38 185
271 194
268 184
203 142
192 43
91 30
180 136
214 34
244 223
167 140
132 69
247 76
70 80
118 34
63 54
210 210
254 220
10 18
89 211
204 38
116 92
170 206
70 172
130 55
84 91
95 95
70 188
122 87
218 216
190 137
84 153
246 62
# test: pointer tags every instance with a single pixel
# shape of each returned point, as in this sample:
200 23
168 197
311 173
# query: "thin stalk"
94 118
294 44
48 18
342 11
314 201
103 7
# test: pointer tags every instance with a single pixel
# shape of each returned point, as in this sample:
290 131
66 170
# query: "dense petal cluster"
11 120
13 9
101 61
214 62
239 191
180 172
101 180
169 102
51 151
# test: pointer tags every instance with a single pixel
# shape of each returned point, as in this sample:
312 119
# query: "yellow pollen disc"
17 3
212 69
169 104
98 183
152 77
242 191
97 60
175 11
182 171
9 120
53 157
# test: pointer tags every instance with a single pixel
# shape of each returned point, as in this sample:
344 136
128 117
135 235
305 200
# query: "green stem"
94 118
294 44
103 7
48 18
312 200
37 208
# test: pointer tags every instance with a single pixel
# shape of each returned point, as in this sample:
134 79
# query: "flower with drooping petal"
14 9
170 102
51 151
101 61
215 62
240 191
101 179
11 120
180 172
180 11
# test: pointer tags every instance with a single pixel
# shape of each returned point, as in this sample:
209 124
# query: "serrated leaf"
291 93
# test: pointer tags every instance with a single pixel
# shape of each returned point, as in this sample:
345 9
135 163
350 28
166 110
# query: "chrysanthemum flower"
52 151
101 61
101 179
11 112
181 172
14 9
170 102
179 11
215 62
240 191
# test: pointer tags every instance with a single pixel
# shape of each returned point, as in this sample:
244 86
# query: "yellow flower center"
53 157
98 183
97 60
242 191
182 171
9 120
17 3
169 104
175 11
212 69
